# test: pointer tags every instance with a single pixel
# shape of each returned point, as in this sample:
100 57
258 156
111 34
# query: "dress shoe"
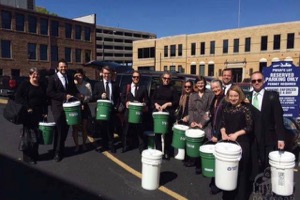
214 189
125 149
57 158
112 150
189 163
198 171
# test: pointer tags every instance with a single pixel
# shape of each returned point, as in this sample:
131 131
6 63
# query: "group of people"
223 112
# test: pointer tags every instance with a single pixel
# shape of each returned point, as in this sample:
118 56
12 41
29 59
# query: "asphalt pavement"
91 175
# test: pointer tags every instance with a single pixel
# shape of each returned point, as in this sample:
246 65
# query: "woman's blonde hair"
238 90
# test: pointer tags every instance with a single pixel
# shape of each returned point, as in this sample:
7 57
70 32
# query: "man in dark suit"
268 119
227 77
134 92
60 89
108 90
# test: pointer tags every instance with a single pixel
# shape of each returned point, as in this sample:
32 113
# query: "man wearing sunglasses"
268 119
134 92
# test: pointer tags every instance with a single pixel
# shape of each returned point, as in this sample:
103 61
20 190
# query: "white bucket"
282 172
151 161
227 160
180 154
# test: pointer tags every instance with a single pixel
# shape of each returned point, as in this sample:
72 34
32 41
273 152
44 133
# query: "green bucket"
103 109
135 113
178 140
73 112
194 139
207 160
150 139
47 132
160 122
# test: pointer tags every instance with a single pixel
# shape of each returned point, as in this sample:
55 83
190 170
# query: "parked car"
245 86
8 86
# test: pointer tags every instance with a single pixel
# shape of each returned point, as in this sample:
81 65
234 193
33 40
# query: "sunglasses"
256 80
135 77
165 78
187 86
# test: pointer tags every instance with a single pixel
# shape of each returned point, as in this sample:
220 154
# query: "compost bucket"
103 109
73 112
135 112
160 122
47 132
194 139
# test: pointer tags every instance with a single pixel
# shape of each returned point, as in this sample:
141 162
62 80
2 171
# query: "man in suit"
134 92
108 90
268 118
60 89
227 79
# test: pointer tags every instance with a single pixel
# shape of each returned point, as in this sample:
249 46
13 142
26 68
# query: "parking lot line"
139 175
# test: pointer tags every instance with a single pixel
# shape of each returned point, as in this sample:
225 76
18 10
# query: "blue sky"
176 17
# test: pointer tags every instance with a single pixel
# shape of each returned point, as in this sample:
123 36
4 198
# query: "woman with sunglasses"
199 107
165 98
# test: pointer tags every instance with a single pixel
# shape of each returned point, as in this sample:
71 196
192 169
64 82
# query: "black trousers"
107 130
60 134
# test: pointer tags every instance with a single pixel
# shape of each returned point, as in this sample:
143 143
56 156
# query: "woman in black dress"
32 95
165 98
237 125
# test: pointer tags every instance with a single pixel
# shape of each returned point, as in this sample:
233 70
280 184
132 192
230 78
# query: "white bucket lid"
282 157
160 113
152 154
227 148
71 104
207 148
47 123
181 127
103 101
194 133
135 104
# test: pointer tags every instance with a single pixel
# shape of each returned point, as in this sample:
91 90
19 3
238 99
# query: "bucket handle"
72 99
229 141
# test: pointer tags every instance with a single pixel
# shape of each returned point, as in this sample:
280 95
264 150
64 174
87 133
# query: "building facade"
31 39
245 50
115 44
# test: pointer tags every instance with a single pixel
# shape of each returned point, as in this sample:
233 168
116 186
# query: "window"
166 51
78 55
180 69
193 49
68 30
225 46
262 65
146 52
32 23
68 53
290 40
31 51
211 68
236 45
87 33
247 44
193 69
276 42
173 50
77 32
44 26
264 43
43 52
87 55
212 47
180 50
5 49
172 68
54 53
202 70
6 19
20 18
54 28
202 48
165 68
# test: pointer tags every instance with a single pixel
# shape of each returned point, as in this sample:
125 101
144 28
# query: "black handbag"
14 112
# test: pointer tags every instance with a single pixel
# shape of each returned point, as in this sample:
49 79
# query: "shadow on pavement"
166 177
20 181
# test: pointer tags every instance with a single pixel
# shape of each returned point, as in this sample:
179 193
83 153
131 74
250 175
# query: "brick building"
31 39
244 49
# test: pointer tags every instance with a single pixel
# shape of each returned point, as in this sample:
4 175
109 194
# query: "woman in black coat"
32 95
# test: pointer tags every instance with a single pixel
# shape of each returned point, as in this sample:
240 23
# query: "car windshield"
289 124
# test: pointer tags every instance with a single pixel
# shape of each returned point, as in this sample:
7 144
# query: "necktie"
135 90
107 90
255 101
66 81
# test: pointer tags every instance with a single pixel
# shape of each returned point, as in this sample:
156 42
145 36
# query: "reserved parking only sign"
283 77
